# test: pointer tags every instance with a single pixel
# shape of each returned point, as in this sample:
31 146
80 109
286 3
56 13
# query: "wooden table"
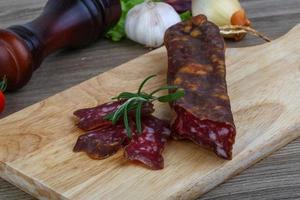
277 177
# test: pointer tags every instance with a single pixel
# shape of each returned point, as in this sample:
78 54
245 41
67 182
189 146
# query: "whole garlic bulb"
147 22
221 12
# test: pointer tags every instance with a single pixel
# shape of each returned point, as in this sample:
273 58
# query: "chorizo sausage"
196 63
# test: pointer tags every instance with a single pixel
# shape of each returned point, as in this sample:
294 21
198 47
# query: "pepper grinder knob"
62 24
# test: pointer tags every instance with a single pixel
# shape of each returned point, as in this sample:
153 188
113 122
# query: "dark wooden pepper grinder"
63 24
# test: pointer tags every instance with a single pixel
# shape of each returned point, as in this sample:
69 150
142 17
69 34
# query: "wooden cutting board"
36 143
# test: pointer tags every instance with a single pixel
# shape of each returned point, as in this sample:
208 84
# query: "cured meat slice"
147 148
196 57
102 143
93 118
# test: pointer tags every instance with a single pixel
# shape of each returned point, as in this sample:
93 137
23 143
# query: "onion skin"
240 18
223 13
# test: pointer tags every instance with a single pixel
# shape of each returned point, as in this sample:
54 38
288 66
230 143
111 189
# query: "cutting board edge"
30 185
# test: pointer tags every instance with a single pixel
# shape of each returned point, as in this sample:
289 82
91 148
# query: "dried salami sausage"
147 148
196 57
93 118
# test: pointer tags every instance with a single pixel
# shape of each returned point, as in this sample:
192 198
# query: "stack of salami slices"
103 139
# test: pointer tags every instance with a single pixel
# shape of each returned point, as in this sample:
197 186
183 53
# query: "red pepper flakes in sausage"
102 143
93 118
196 59
147 147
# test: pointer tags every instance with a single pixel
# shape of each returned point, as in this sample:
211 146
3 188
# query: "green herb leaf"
167 87
117 115
138 117
144 82
186 15
171 97
109 117
125 95
126 121
146 96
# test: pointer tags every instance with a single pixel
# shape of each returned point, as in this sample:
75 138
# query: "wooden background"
277 177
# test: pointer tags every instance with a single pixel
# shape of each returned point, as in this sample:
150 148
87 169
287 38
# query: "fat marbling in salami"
148 146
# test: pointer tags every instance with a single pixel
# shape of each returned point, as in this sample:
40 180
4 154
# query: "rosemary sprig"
138 117
135 102
144 82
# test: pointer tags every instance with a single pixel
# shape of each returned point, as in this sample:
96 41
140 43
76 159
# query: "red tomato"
2 101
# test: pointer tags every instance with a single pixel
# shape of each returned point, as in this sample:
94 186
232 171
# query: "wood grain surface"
275 178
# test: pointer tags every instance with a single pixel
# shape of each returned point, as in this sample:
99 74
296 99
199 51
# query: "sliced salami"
147 147
196 53
93 118
102 143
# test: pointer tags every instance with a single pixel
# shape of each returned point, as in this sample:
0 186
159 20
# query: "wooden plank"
37 155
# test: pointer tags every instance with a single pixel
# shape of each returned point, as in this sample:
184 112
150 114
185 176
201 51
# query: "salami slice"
196 56
147 148
93 118
102 143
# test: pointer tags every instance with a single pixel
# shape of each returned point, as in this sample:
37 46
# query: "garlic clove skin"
147 22
221 12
